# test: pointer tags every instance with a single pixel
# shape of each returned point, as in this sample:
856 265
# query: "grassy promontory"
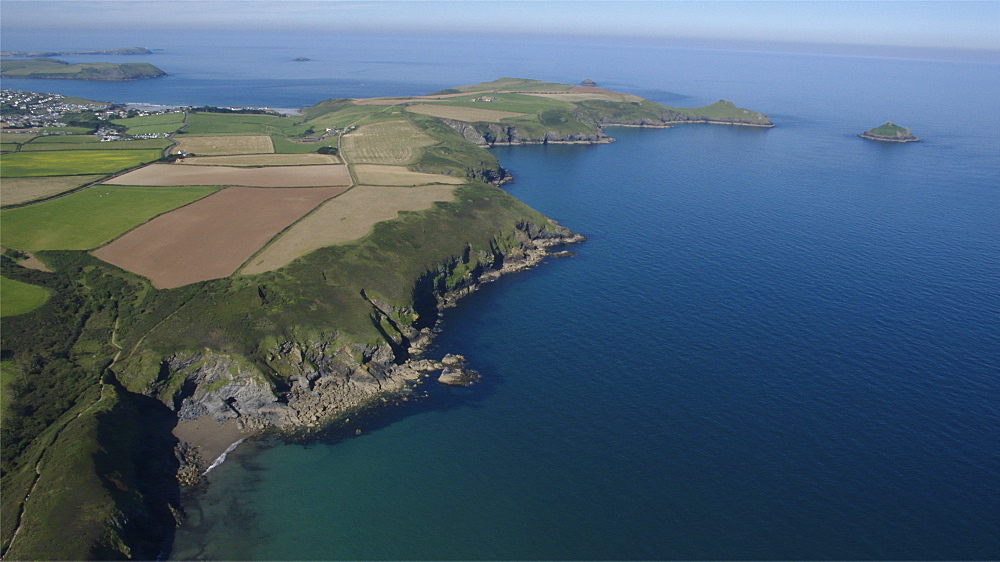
54 69
97 376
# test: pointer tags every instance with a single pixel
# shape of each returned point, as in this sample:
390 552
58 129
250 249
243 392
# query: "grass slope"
67 415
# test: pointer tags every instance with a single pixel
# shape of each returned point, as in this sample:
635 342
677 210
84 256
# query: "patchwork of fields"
262 160
212 237
204 216
270 176
90 217
345 218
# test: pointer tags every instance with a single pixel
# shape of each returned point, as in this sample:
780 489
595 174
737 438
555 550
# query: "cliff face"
590 116
494 134
327 378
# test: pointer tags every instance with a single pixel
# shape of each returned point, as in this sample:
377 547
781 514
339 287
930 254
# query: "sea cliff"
329 379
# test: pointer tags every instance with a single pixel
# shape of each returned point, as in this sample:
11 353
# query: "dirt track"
210 238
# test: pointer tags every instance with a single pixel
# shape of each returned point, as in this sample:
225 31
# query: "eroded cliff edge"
299 383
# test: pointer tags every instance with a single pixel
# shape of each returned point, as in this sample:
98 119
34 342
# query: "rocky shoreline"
888 139
222 395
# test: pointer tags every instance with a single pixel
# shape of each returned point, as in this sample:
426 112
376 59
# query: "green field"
89 218
91 142
206 123
75 162
17 297
159 123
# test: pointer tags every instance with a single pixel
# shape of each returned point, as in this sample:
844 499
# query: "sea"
774 344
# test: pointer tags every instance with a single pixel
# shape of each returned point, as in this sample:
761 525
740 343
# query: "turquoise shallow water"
776 344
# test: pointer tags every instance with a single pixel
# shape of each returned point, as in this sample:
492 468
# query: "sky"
937 24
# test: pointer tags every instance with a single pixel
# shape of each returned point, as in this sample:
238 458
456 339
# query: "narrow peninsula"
889 132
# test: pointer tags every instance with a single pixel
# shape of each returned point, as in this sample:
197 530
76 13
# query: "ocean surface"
775 344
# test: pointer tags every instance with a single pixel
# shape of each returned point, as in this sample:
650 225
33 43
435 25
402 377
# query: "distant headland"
889 132
120 51
54 69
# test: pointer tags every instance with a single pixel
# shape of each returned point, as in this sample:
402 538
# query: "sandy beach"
210 437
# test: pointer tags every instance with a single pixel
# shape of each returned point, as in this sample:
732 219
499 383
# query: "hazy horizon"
922 25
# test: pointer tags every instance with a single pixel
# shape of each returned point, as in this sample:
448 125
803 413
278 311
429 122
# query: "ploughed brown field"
211 237
272 176
261 160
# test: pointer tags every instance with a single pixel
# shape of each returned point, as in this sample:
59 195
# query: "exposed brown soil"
273 176
211 237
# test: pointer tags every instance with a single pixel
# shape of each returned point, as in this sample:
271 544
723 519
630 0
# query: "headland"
390 211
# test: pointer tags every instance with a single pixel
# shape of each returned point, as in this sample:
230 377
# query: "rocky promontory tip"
889 132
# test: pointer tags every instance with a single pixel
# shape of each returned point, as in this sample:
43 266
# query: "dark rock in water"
301 59
455 373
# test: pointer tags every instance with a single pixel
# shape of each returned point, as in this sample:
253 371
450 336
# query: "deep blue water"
776 344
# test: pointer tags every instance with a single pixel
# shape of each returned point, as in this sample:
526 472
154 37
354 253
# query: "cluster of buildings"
32 110
21 110
106 134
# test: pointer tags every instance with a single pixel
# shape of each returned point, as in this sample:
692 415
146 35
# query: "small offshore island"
889 132
206 314
55 69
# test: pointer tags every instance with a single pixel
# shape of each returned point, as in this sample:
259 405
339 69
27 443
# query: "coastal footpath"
148 381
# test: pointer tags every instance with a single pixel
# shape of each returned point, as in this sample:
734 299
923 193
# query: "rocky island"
55 69
889 132
129 380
